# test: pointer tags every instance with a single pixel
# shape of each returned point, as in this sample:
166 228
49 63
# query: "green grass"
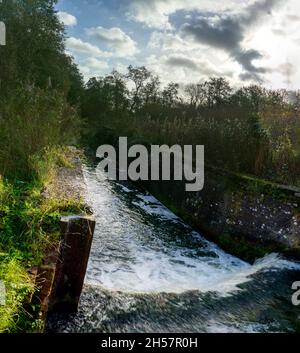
18 286
29 225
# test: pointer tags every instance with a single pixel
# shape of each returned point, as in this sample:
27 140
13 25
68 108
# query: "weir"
134 265
151 272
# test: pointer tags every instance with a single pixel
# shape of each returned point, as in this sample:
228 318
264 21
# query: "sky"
185 41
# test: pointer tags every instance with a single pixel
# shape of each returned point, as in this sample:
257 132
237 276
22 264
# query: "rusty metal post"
75 245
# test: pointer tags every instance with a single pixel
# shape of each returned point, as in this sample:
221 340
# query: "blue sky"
247 41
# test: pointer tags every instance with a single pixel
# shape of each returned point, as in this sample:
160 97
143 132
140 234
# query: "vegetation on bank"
29 226
39 90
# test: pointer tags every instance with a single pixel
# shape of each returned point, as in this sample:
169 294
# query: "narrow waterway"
150 272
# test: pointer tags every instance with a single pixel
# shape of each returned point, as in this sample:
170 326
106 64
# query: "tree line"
252 129
45 101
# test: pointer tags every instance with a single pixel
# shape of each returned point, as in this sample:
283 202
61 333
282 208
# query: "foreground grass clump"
18 286
29 225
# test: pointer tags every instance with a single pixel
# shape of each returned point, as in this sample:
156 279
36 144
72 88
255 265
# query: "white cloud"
184 69
67 19
76 45
92 67
201 66
96 64
86 72
280 52
122 44
178 58
155 13
187 61
173 42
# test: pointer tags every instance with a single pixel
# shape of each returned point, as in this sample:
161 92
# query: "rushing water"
150 272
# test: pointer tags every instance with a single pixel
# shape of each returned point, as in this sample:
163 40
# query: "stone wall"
246 216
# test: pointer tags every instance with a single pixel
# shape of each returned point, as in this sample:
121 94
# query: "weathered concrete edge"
49 279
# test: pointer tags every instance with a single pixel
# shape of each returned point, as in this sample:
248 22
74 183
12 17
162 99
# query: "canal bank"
60 276
30 232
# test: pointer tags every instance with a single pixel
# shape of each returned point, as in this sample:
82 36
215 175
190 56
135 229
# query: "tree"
35 50
196 93
170 94
139 76
251 97
218 91
150 92
117 91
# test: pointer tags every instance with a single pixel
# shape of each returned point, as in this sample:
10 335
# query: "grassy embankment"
34 126
29 225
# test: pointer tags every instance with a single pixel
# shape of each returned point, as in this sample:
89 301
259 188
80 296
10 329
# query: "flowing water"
150 272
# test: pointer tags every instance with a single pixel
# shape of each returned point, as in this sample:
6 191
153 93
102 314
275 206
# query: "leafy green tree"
170 94
196 93
35 50
151 91
218 91
139 77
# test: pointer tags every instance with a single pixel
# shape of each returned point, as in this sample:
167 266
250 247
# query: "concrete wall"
246 216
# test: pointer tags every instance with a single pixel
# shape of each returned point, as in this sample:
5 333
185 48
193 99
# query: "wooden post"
75 245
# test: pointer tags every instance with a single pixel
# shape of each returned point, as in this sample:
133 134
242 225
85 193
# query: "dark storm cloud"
228 33
190 64
182 62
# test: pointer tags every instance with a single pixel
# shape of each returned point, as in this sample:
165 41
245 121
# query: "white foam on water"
215 327
162 274
152 206
157 210
230 282
123 260
124 188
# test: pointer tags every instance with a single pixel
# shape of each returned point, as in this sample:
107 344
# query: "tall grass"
18 286
264 144
30 120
